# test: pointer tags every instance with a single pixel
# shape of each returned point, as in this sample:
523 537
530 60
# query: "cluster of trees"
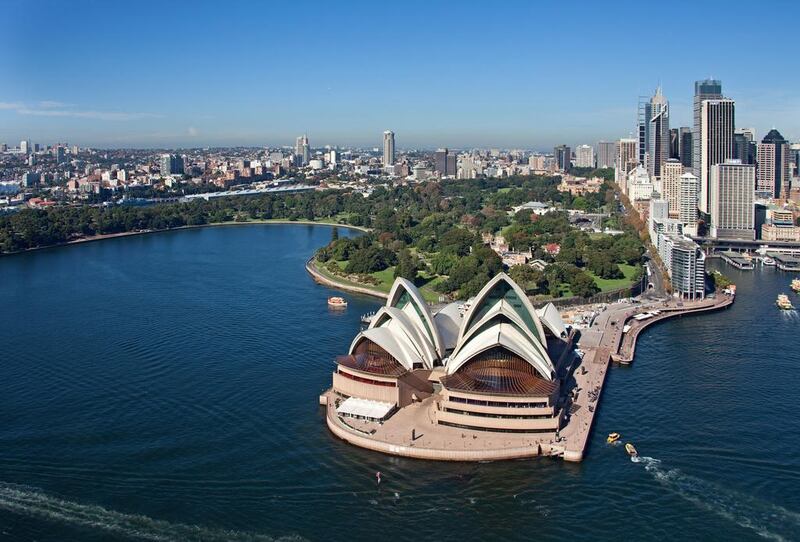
432 227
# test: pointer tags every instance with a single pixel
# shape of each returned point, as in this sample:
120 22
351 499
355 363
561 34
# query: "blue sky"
459 74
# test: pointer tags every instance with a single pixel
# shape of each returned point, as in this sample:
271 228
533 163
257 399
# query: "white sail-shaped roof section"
498 313
448 322
399 322
405 296
395 344
509 337
502 288
551 319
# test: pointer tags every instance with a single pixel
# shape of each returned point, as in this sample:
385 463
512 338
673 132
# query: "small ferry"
337 302
795 285
783 302
766 260
612 437
631 450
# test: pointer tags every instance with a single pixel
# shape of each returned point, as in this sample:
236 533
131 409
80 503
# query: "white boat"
766 260
783 303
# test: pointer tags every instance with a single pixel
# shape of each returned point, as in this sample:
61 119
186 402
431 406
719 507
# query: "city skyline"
127 85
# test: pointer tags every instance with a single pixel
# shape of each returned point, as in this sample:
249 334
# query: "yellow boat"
631 450
612 437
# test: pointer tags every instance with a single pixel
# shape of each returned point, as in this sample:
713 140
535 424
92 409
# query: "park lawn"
386 279
614 284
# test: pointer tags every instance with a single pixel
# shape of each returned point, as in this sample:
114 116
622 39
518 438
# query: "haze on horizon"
513 75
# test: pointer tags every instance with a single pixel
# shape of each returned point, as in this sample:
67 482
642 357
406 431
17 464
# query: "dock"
737 260
605 341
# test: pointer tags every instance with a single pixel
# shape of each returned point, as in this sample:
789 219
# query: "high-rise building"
687 207
445 163
658 133
584 156
674 144
731 202
302 151
685 136
388 148
773 165
686 265
671 183
716 141
744 146
644 114
59 153
707 89
563 156
626 161
171 164
606 154
24 146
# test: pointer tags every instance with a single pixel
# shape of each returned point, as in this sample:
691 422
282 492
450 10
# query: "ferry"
783 302
337 302
795 286
612 437
631 450
766 260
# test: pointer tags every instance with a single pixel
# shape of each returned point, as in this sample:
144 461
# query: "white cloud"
192 131
52 104
10 105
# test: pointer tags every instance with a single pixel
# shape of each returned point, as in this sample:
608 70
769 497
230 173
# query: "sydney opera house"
489 366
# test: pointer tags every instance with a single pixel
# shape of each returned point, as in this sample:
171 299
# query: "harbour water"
164 387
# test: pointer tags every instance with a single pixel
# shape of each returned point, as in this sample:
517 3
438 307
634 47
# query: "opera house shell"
488 365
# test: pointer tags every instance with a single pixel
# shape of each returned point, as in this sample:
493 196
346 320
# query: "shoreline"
106 236
319 278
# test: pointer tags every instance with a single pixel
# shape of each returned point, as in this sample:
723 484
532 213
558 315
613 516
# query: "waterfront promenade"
606 341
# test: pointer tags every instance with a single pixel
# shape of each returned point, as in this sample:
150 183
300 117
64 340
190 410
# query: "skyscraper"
563 157
685 136
674 144
643 129
689 188
773 165
625 162
744 146
606 154
24 146
302 151
707 89
388 148
716 141
584 156
658 133
731 205
445 162
171 164
671 182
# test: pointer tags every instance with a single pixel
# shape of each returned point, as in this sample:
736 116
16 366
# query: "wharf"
737 260
607 341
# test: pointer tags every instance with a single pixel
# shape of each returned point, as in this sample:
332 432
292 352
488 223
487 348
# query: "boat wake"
34 503
766 519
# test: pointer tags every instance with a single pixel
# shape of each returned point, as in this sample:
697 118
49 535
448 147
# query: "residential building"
584 156
625 162
388 148
687 207
686 265
445 163
716 142
606 154
731 201
671 183
563 156
171 164
302 151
